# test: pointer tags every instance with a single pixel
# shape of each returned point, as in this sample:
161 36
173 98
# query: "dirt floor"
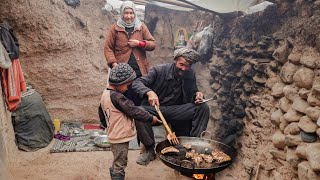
43 165
81 166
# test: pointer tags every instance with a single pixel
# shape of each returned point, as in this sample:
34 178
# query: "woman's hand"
133 43
155 120
199 97
153 98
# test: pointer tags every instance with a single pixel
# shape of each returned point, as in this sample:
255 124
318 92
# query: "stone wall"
297 117
265 78
298 110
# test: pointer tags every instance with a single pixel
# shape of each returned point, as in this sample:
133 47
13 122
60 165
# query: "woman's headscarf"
136 23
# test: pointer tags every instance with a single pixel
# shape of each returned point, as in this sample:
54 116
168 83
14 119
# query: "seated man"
173 87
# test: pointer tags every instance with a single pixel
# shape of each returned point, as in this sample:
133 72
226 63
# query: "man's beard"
179 72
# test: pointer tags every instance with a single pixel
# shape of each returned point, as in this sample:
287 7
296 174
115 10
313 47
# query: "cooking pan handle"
187 161
203 132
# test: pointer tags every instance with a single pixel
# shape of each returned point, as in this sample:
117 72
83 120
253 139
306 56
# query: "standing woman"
127 42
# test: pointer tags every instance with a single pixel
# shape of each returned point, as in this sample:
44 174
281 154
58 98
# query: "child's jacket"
120 113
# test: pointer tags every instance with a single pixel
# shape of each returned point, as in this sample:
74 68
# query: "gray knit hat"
189 54
121 74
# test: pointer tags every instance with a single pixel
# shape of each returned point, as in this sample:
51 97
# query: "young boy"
120 114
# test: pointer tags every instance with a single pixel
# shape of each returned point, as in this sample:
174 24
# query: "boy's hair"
121 74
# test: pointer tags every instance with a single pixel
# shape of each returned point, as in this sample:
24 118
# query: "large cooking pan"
200 145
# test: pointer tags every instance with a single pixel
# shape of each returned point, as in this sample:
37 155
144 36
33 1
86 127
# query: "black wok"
200 145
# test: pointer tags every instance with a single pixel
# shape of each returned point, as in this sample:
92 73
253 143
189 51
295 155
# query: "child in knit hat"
120 114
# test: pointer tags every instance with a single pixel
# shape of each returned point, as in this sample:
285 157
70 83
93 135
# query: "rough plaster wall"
62 53
7 145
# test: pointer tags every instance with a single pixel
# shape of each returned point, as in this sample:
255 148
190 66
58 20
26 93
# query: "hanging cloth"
9 40
13 84
5 61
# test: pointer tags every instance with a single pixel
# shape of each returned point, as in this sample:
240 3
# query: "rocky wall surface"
297 116
265 77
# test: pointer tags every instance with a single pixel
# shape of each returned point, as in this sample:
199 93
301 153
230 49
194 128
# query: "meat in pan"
220 156
170 149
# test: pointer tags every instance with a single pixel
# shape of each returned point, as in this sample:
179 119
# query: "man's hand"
133 43
155 120
199 97
153 98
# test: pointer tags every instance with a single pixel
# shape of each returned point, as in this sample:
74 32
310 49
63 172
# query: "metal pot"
95 134
202 145
102 141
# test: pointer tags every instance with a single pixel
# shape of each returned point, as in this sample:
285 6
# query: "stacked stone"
238 72
298 114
